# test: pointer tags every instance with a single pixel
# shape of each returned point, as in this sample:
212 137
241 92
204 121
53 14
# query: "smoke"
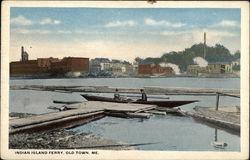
200 61
173 66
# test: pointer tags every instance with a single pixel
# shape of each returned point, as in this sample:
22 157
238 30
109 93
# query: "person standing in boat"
116 95
143 96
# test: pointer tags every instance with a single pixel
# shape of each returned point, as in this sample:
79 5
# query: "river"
167 132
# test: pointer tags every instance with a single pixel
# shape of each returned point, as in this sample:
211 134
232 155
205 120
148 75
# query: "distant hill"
217 53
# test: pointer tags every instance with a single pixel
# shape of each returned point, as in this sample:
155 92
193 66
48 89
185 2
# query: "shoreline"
146 76
61 139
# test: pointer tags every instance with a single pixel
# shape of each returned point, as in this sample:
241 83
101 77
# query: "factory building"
151 69
211 68
70 64
21 68
47 66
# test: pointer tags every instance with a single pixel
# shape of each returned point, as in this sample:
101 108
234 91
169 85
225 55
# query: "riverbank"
61 139
106 74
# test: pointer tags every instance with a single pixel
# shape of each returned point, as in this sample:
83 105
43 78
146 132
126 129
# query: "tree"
126 62
115 61
237 54
153 60
138 59
236 67
217 53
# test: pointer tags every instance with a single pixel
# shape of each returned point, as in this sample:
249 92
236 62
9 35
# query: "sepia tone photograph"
87 79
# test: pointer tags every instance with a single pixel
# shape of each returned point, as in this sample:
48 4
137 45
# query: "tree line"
217 53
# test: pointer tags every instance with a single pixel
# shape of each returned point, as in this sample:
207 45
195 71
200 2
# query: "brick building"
47 66
151 69
70 64
21 68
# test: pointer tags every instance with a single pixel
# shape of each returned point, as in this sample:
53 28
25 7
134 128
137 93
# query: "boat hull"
168 104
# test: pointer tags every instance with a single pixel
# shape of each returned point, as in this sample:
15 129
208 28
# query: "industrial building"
211 68
151 69
47 66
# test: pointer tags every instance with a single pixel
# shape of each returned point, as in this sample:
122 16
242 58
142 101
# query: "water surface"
168 132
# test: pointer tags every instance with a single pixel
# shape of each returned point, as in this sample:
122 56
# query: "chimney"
22 53
22 50
204 47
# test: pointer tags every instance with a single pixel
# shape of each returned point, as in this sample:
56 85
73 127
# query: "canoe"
168 104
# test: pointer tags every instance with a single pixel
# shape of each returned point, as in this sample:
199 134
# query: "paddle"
147 96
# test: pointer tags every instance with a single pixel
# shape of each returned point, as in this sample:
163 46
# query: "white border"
243 154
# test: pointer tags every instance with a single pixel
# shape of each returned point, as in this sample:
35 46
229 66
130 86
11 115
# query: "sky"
119 33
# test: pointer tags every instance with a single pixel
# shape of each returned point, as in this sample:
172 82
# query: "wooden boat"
168 104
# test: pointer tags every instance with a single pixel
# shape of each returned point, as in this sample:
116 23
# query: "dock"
225 117
78 114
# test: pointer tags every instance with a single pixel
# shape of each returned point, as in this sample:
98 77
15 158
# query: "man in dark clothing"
116 95
143 96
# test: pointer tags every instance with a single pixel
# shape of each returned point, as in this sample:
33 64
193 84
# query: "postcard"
124 80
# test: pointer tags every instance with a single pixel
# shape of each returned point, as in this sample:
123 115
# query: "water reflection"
216 143
170 132
217 127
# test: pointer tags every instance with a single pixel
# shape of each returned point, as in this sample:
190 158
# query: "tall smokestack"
22 50
204 47
22 53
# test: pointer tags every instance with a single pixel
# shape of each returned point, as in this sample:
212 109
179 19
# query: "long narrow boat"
168 104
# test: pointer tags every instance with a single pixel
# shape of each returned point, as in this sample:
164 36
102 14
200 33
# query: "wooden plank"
21 122
168 110
79 109
67 122
230 95
123 107
160 89
128 114
220 118
138 115
155 112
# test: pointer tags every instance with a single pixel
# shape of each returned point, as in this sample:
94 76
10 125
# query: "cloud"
30 31
129 23
152 22
227 23
170 33
40 31
198 34
49 21
182 39
84 48
21 20
64 32
212 35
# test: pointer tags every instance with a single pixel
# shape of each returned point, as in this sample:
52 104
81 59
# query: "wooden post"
217 100
215 135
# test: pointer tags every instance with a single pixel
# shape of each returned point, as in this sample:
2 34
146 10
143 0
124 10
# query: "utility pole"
204 47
